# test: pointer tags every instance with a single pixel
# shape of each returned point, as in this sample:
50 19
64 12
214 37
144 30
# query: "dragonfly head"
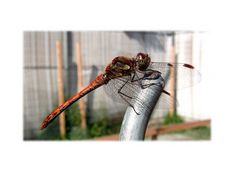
143 61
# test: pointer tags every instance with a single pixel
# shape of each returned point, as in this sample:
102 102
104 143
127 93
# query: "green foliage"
173 119
199 133
99 128
77 133
51 132
103 127
73 116
74 132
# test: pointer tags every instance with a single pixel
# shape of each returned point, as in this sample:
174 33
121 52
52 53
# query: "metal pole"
134 126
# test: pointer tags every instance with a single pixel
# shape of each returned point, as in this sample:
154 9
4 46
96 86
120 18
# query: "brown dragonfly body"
119 67
124 76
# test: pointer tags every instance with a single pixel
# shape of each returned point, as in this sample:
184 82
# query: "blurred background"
84 55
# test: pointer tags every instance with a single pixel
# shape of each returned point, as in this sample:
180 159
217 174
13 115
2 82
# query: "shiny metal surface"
134 125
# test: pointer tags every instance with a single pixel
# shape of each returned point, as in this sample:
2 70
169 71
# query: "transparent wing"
186 76
129 93
113 87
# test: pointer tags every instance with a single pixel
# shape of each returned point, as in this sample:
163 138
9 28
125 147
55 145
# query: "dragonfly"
123 78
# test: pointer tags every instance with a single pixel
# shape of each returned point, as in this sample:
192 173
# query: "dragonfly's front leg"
148 75
123 94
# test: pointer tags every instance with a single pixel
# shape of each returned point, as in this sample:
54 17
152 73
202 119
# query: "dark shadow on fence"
149 40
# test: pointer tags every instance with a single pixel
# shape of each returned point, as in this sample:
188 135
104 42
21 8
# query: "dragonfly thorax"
142 61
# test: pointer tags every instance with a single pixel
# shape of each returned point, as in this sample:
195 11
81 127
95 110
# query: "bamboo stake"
82 105
60 87
172 110
191 77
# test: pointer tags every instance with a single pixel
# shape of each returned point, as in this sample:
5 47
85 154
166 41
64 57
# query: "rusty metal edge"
151 132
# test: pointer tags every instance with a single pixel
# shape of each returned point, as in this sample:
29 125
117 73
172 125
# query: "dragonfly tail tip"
44 125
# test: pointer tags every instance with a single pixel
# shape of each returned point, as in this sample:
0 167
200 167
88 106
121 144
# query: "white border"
217 157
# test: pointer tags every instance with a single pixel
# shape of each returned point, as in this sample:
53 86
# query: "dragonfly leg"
139 80
146 77
162 85
166 92
123 94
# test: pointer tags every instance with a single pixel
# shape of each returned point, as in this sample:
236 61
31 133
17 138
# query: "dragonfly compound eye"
140 56
143 61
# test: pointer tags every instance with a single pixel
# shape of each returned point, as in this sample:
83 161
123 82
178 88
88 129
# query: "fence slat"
60 87
82 105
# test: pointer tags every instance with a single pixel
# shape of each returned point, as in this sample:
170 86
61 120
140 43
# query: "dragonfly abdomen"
99 81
